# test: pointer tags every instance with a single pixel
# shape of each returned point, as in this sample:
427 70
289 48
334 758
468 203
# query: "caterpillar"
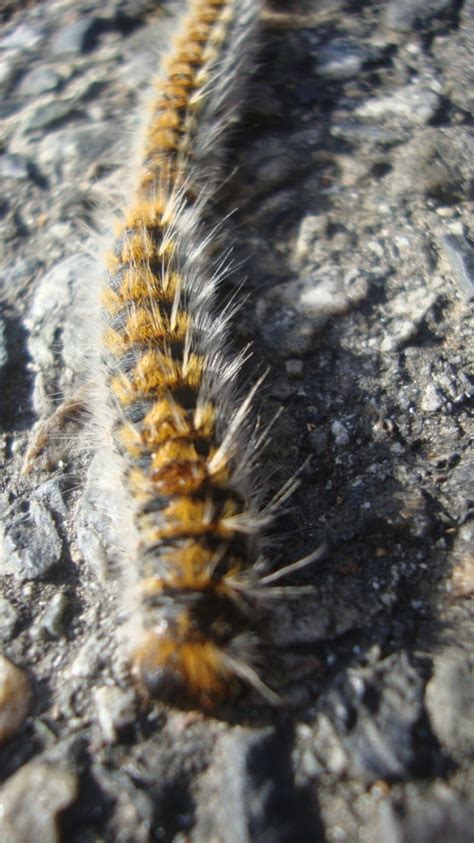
176 425
166 407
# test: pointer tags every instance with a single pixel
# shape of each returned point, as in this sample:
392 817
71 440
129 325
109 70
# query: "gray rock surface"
351 173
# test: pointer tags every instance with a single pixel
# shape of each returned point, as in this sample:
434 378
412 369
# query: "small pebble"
15 698
432 400
52 622
115 710
340 433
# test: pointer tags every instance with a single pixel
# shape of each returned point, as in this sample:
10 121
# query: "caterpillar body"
181 437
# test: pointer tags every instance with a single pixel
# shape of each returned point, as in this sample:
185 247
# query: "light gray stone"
72 39
413 104
38 81
8 619
29 543
116 709
30 801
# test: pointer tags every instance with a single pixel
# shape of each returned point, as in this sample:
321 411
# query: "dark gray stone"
249 795
375 711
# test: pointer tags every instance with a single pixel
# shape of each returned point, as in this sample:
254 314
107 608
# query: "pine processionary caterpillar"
181 438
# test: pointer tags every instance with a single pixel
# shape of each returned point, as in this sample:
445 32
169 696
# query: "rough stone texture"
351 169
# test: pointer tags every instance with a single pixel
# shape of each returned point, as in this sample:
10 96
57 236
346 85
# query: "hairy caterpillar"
183 448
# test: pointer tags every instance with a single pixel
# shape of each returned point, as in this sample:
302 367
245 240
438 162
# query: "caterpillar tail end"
189 674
